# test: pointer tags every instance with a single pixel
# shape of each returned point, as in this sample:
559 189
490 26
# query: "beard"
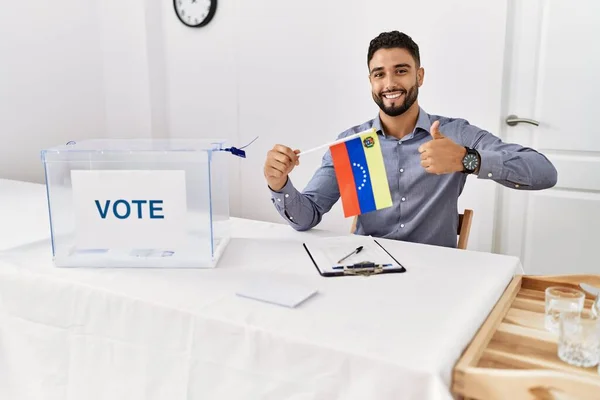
393 111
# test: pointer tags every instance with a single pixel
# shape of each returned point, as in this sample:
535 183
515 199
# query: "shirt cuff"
491 165
284 195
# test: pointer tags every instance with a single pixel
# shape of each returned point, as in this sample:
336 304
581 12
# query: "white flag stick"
342 140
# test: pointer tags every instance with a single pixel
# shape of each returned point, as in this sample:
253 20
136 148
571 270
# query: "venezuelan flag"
361 176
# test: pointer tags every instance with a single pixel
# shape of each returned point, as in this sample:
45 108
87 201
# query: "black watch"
470 161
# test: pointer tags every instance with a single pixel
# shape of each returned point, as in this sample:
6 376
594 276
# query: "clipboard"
376 260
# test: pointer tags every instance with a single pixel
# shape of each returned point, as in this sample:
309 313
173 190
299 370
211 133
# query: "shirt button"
292 218
517 185
490 175
401 169
278 199
401 225
404 199
287 195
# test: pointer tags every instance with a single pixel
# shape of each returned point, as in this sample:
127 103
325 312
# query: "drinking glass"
561 300
579 339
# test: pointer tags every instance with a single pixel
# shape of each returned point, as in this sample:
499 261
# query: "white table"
184 334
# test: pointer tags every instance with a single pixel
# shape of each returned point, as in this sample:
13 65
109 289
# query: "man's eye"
401 71
378 75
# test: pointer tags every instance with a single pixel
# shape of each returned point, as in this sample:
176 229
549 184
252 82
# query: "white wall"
133 55
295 73
125 67
74 70
51 82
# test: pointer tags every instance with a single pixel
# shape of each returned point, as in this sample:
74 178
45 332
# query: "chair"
464 228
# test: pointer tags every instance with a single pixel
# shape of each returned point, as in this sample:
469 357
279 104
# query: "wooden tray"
513 357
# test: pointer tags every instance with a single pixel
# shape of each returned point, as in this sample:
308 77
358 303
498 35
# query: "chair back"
464 228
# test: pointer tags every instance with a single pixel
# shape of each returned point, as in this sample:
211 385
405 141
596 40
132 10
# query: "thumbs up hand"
435 131
441 155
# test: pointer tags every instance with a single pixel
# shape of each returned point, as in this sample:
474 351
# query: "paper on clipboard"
325 252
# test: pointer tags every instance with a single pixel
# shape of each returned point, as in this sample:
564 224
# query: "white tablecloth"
183 334
23 213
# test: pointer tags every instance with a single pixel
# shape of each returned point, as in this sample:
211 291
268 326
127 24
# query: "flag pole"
342 140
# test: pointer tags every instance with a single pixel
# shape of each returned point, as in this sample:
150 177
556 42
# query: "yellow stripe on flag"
381 188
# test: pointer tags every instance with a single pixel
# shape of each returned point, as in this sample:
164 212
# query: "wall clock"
195 13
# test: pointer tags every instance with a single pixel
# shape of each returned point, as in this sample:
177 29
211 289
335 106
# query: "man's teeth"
392 96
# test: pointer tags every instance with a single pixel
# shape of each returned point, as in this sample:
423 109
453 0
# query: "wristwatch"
470 161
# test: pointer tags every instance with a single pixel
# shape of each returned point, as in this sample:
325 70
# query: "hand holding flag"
359 169
281 160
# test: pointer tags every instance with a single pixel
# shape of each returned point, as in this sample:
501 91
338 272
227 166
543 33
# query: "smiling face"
395 80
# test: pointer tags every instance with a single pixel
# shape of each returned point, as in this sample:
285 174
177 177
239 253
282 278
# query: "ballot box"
138 202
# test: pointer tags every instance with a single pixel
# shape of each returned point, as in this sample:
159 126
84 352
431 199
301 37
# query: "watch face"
195 13
470 162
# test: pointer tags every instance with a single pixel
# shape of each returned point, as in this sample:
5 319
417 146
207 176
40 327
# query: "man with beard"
427 158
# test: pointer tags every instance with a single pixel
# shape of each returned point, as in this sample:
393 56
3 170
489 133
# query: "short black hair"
394 39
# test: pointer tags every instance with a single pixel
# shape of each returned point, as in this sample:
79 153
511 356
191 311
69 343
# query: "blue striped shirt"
425 206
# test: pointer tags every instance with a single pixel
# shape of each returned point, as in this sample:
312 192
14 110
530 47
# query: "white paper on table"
277 292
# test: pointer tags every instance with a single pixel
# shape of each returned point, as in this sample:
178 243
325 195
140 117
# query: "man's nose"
389 83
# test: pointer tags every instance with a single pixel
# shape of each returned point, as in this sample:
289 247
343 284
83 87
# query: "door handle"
512 120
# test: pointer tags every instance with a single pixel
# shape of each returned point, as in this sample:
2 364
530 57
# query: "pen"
356 251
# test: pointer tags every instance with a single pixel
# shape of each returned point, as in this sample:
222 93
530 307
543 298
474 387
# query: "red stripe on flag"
345 178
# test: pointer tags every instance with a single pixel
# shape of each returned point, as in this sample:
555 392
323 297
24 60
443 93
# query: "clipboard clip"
364 268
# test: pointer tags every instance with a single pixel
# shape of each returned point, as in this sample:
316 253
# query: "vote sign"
129 209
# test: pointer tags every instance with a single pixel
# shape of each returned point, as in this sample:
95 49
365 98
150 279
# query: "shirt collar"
423 123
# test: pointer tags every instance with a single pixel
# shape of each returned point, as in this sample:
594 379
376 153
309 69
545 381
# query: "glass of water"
561 300
579 340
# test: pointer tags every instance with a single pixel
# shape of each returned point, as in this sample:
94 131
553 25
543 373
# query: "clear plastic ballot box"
138 203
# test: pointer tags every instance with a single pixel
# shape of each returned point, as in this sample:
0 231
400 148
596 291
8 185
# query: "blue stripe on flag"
362 179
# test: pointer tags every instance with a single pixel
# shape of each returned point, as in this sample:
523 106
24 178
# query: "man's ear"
420 75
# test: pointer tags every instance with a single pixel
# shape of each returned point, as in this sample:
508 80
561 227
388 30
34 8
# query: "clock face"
195 13
470 162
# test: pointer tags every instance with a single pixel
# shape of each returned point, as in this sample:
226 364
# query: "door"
552 77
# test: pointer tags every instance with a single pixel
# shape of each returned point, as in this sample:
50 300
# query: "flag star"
359 187
364 180
358 165
354 164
